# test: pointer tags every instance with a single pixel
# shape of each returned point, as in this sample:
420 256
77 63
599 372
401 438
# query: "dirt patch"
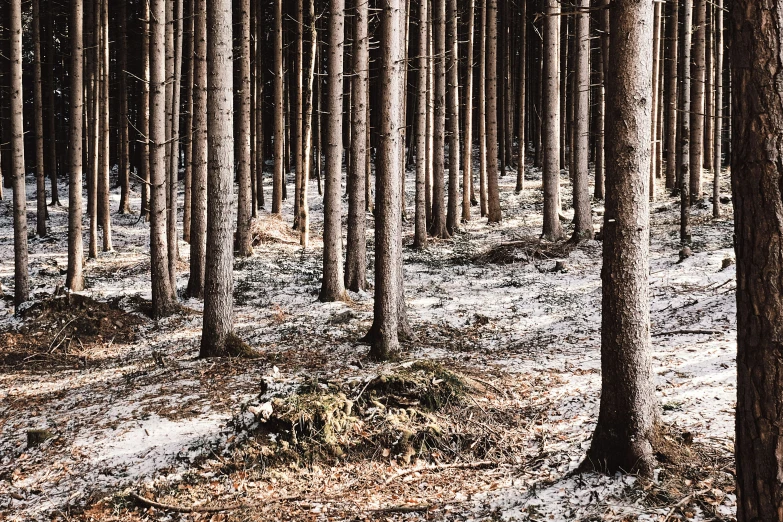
64 329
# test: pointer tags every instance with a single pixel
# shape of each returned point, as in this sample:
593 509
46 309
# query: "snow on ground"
142 412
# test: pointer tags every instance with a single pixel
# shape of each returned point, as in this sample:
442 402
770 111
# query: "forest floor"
484 416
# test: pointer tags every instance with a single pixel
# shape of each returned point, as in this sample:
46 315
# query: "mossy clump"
424 384
236 347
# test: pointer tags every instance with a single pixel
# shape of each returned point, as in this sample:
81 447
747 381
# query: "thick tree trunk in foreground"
219 275
75 278
757 176
332 286
356 252
553 230
628 416
493 192
583 216
244 245
198 207
163 298
21 279
389 308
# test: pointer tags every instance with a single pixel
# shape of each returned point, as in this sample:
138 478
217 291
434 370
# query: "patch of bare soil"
524 250
63 331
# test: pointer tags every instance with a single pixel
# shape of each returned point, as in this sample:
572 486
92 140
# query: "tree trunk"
198 216
521 97
304 204
757 176
163 297
219 276
452 109
583 216
187 122
40 174
697 98
658 20
356 253
438 226
173 186
685 133
260 100
553 230
709 109
296 105
244 246
672 35
144 112
467 133
717 161
493 193
104 171
389 308
50 150
75 277
21 279
122 77
482 110
92 19
420 228
279 121
628 415
332 288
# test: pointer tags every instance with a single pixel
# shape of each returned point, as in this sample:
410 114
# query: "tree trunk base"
612 452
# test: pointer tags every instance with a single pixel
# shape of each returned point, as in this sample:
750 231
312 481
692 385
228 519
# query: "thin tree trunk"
685 133
198 217
296 106
122 77
600 103
40 174
553 230
21 278
244 245
696 148
482 110
709 109
521 97
628 417
304 204
279 121
173 185
333 288
75 277
50 152
105 169
217 334
144 112
93 128
438 227
163 297
420 229
356 252
657 21
390 319
671 104
493 192
717 161
452 109
467 133
583 217
187 122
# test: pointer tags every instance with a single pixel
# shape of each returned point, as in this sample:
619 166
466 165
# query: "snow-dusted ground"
140 413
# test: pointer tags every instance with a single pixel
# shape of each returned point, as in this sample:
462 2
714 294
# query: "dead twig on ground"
440 467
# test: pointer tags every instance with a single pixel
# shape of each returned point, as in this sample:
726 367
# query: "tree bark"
198 217
50 152
104 171
482 110
698 69
438 226
304 204
296 106
144 112
658 20
75 277
672 32
553 230
452 109
717 161
21 278
420 226
219 279
163 297
521 98
173 186
244 246
624 437
493 193
122 77
389 308
583 216
279 121
332 287
356 253
40 174
757 177
467 133
187 122
685 133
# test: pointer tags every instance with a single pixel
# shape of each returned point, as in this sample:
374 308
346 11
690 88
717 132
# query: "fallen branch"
204 509
683 502
687 332
439 467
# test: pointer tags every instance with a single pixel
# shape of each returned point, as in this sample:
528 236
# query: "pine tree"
278 121
75 276
553 230
420 232
244 246
40 174
583 218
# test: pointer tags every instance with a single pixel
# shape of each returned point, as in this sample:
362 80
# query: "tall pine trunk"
624 437
438 226
244 245
553 230
583 218
279 120
467 133
75 277
452 109
420 227
40 174
717 161
672 35
685 134
698 71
